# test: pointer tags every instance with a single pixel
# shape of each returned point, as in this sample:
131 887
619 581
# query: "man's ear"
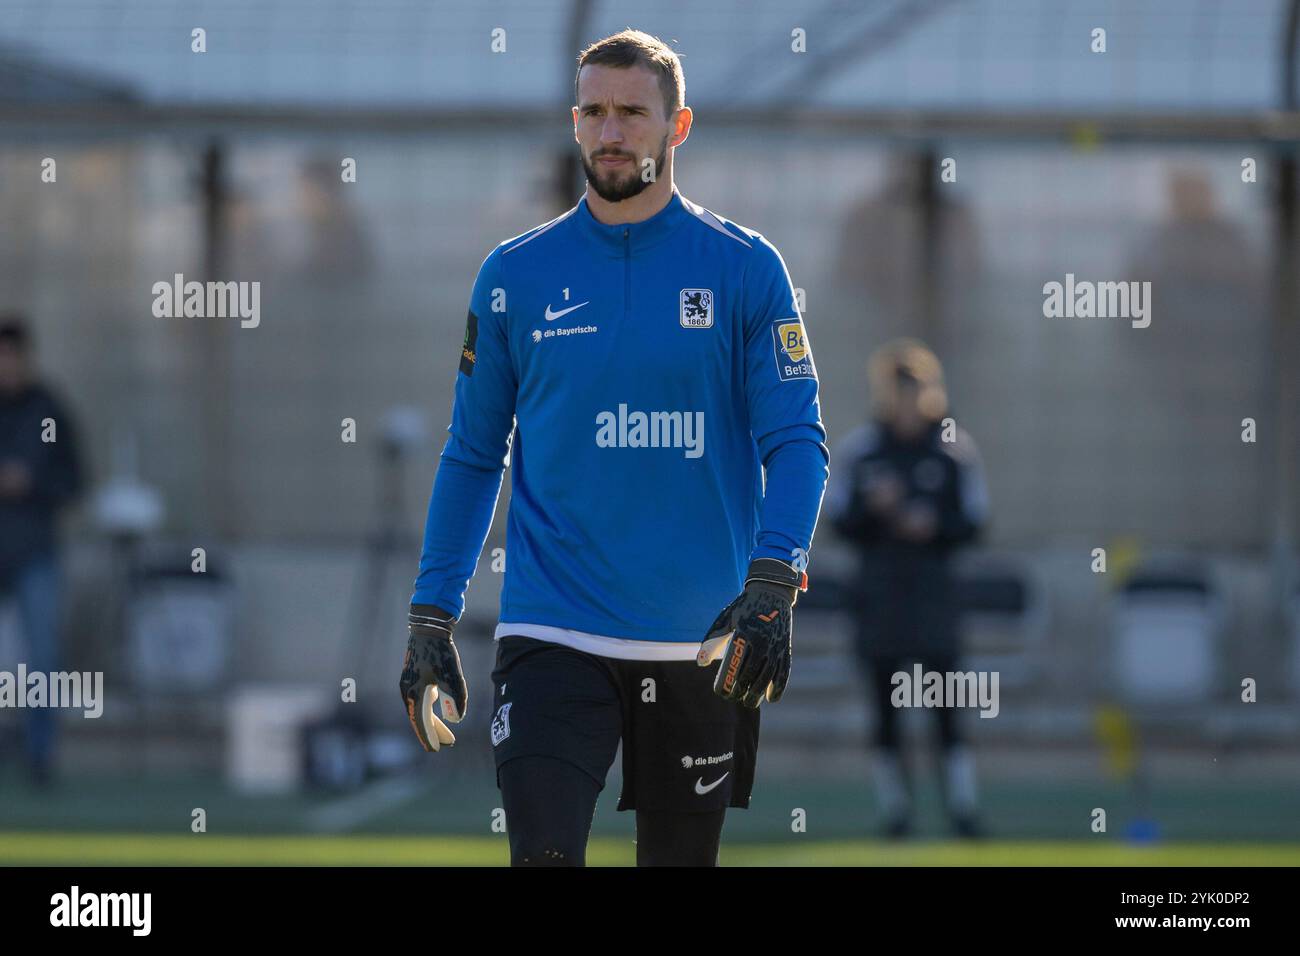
682 126
575 124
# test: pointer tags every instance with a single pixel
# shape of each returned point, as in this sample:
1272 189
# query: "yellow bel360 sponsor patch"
790 346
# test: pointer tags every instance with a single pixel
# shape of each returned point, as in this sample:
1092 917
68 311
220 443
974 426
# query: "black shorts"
684 748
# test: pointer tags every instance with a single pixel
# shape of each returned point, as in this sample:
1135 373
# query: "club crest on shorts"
697 308
501 724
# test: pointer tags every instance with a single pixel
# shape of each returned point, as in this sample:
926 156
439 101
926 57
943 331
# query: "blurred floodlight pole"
1286 341
215 344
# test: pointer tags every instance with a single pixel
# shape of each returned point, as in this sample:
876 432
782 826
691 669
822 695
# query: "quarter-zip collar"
629 238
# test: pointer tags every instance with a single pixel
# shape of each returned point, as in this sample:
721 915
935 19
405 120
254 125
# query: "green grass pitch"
127 849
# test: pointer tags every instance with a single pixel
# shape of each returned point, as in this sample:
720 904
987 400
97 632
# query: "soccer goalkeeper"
644 361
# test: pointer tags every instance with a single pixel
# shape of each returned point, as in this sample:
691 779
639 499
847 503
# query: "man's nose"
610 131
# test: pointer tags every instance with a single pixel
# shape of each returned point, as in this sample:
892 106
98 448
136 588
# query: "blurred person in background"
38 476
906 241
906 498
337 246
1196 247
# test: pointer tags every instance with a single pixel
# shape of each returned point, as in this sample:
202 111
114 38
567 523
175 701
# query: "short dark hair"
13 331
630 48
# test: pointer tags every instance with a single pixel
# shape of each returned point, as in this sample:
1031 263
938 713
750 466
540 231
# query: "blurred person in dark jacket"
38 476
908 490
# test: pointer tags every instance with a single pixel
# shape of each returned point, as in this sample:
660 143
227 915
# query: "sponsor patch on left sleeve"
468 350
790 346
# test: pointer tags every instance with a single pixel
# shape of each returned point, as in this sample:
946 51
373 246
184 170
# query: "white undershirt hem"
600 645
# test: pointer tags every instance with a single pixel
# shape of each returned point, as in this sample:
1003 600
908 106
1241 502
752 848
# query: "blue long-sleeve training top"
648 372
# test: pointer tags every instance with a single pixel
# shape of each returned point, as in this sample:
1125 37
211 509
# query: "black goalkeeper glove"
752 635
432 670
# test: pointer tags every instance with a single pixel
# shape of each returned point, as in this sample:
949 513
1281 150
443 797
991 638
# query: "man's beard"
612 190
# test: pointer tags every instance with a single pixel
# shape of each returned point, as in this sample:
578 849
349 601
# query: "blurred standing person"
37 478
909 248
906 498
338 248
